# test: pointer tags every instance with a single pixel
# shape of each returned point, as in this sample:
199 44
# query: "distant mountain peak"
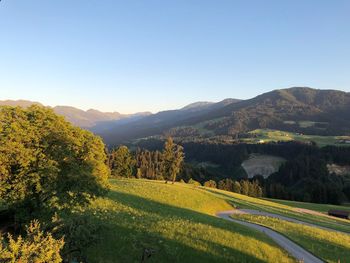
198 104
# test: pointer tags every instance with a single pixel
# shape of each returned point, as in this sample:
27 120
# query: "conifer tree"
173 157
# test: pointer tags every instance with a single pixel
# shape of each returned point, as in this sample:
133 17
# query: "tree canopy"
45 162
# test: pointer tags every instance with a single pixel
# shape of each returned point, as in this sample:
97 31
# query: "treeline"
153 165
244 187
304 176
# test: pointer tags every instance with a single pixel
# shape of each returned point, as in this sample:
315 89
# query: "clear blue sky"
142 55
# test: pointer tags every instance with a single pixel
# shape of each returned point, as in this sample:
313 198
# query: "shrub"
191 181
210 183
36 246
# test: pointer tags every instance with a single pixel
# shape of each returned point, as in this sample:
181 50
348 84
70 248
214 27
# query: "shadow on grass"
125 242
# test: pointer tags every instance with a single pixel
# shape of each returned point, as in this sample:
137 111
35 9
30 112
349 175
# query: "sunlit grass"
323 208
243 201
178 222
269 135
330 246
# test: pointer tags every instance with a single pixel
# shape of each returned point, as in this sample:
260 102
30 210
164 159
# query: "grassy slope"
275 135
175 220
330 246
243 201
324 208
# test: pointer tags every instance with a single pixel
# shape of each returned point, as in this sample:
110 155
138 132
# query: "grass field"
177 221
243 201
323 208
330 246
268 135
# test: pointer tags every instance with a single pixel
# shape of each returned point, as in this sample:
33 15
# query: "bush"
191 181
210 183
80 232
36 246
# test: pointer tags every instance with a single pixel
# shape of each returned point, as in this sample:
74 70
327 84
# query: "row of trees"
156 165
244 187
304 177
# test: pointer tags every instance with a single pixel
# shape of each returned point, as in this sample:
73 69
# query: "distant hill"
85 119
158 123
20 103
297 109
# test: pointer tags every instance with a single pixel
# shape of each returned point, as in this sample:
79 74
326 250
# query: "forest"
304 176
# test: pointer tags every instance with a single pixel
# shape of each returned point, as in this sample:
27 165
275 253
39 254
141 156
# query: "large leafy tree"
46 164
173 157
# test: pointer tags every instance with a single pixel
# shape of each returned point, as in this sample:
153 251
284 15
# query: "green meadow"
176 222
328 245
323 208
269 135
243 201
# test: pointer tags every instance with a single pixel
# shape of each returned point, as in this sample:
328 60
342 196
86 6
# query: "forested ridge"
326 112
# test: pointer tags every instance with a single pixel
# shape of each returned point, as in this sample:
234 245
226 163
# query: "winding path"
295 250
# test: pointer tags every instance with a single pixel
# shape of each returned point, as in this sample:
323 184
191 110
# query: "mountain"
158 123
85 119
297 109
198 105
20 103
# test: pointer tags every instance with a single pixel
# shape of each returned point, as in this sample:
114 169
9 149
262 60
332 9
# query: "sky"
147 55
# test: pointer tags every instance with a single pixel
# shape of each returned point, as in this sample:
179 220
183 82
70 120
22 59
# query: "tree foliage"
36 246
121 162
173 157
46 163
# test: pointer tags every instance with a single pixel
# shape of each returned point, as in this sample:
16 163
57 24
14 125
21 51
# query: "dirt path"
295 250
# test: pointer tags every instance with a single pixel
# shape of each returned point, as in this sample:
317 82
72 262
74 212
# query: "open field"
323 208
268 135
177 221
243 201
329 246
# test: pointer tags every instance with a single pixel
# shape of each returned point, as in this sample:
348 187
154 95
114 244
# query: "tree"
46 164
226 184
210 183
244 187
173 157
237 187
121 162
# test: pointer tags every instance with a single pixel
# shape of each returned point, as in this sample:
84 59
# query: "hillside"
158 123
326 112
302 110
142 214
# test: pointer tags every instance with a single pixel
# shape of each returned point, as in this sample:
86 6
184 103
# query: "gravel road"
295 250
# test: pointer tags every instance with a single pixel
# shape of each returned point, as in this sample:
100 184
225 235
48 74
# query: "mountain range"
84 119
297 109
